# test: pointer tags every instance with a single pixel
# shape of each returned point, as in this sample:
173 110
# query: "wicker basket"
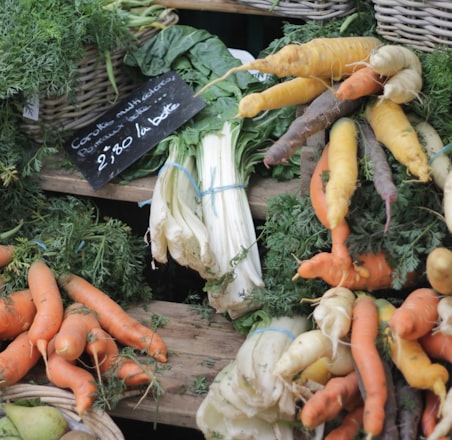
422 24
95 94
307 10
99 421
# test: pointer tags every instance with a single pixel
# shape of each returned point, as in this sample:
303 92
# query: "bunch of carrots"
37 323
385 355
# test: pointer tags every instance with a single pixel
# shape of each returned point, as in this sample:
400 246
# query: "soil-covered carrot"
417 315
70 341
410 404
17 311
17 359
113 318
362 82
393 129
343 169
437 345
349 426
372 151
112 364
439 270
410 358
6 254
66 374
295 91
49 305
339 393
369 363
330 58
320 114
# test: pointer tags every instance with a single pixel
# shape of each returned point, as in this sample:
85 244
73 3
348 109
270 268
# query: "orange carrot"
6 254
349 427
17 311
339 392
70 341
49 305
111 363
368 362
113 318
17 359
371 272
437 345
362 82
417 314
66 374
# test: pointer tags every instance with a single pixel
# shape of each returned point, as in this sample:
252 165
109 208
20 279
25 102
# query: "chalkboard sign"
132 127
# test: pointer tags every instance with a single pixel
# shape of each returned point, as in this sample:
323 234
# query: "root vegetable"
439 269
445 315
417 314
362 82
393 129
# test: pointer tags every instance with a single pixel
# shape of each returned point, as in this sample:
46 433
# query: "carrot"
444 426
362 82
317 372
113 318
337 268
70 341
294 91
49 305
6 254
439 270
111 363
66 374
393 129
17 359
403 67
320 114
372 150
17 311
331 58
349 427
437 345
410 358
410 404
343 169
368 363
417 314
326 403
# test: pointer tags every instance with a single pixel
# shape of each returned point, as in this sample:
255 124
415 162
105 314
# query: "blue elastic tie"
41 245
438 153
274 328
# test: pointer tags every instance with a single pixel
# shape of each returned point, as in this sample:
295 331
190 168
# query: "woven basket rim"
99 421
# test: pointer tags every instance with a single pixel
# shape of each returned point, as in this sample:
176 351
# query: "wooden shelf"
231 6
260 190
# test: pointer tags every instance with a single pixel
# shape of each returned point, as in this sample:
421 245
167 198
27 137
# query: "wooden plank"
260 189
230 6
197 347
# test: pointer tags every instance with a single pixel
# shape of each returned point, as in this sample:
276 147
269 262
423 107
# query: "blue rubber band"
80 246
41 245
438 153
275 328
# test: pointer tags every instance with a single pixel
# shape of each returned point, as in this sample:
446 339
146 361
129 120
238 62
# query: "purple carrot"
382 174
320 114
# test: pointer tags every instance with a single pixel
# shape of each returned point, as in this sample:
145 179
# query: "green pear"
7 429
37 422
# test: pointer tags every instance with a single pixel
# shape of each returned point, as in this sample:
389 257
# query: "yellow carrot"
410 358
329 58
294 91
343 169
393 129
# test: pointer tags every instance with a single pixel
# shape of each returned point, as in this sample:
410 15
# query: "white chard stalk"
227 216
246 401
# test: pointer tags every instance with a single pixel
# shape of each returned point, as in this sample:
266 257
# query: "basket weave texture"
424 25
307 10
99 421
95 93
